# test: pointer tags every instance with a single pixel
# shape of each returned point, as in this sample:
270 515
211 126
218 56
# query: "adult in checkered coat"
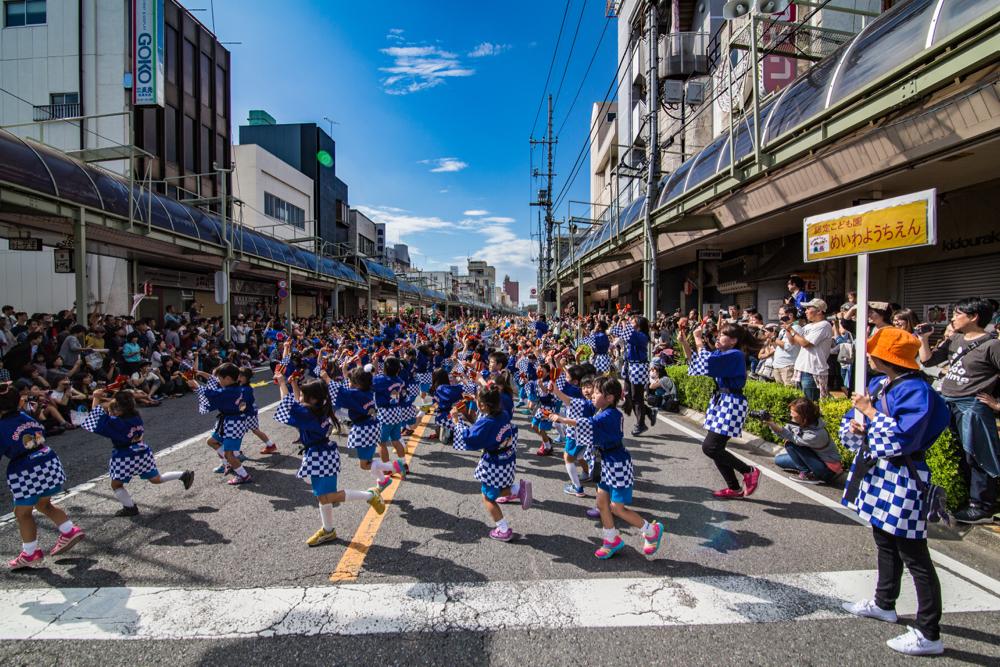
727 409
496 437
34 475
634 334
359 401
605 432
130 455
900 418
308 409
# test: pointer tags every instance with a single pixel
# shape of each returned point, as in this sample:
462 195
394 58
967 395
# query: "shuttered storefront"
941 283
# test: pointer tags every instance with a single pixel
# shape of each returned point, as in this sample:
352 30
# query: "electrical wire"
552 63
584 79
569 56
67 121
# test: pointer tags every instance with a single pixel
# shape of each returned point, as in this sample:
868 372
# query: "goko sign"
147 52
889 224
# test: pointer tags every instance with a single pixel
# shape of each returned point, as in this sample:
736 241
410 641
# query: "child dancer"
601 344
546 402
363 437
390 400
130 455
606 430
574 395
224 394
309 410
34 475
422 370
497 438
445 395
411 392
253 420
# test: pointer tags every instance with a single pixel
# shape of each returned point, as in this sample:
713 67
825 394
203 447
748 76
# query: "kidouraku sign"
880 226
147 52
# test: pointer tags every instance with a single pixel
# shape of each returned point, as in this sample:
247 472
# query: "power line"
584 79
68 121
552 63
569 56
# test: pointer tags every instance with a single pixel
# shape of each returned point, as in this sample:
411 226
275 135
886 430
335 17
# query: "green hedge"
943 457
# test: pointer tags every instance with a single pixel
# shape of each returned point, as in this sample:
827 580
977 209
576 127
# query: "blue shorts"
541 424
491 492
573 449
390 432
365 453
323 485
228 444
425 387
621 494
149 474
33 500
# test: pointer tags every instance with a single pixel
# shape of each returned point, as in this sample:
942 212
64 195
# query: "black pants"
714 447
982 487
893 553
639 405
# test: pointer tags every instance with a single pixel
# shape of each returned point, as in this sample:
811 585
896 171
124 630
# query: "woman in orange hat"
890 428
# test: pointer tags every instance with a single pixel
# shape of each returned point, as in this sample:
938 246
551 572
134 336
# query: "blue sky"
434 102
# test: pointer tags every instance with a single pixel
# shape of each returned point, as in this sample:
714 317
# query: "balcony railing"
55 111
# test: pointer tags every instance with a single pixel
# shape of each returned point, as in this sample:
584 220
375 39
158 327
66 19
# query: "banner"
147 52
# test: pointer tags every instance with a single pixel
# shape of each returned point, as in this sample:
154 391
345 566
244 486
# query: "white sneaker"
914 643
868 609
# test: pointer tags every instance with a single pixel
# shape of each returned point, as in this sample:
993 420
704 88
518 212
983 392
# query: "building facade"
513 290
362 235
272 196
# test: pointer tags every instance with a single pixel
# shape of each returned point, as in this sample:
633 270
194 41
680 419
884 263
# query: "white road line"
359 609
8 518
945 561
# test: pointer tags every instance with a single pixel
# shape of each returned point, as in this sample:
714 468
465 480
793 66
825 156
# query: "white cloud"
488 49
498 219
446 164
399 223
417 68
395 34
443 191
475 212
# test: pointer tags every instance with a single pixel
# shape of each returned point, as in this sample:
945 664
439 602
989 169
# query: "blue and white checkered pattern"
458 427
637 372
422 378
203 406
498 472
37 479
617 474
134 461
888 497
602 363
364 435
321 462
698 363
574 411
253 422
391 416
284 410
93 417
726 414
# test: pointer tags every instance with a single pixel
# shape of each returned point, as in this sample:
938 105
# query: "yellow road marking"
350 564
261 383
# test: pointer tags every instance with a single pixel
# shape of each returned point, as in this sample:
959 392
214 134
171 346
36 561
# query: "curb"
987 535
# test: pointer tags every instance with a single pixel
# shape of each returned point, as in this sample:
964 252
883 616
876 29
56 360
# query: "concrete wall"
257 172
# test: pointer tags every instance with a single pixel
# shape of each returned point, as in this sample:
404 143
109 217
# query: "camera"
785 318
762 415
924 328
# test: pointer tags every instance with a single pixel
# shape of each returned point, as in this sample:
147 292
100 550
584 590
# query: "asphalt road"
214 542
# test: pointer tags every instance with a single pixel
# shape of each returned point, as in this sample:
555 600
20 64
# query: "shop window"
18 13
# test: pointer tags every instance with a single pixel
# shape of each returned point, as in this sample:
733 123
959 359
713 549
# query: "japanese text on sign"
892 224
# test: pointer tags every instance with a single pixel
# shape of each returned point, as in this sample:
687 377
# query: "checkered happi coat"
36 480
888 497
131 462
726 412
232 426
364 435
320 462
616 465
493 470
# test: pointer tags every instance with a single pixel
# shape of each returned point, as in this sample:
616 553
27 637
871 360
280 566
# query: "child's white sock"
610 534
326 516
171 476
242 472
380 466
574 475
354 494
65 526
502 525
123 497
29 547
222 454
647 528
515 488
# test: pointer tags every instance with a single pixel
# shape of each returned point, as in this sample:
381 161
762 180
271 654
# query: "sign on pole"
890 224
709 254
902 222
28 243
147 52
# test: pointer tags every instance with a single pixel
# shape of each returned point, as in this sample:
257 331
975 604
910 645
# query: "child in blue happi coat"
224 394
496 437
130 455
605 431
309 410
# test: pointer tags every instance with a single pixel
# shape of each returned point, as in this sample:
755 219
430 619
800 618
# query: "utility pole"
653 90
545 268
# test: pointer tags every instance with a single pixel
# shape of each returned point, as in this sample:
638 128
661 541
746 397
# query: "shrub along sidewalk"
942 458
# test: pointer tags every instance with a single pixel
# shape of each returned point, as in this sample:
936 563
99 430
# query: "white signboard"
147 52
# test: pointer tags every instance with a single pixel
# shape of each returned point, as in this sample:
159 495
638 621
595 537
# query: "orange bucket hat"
895 346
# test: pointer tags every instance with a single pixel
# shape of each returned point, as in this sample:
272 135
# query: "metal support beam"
652 176
80 260
694 223
288 305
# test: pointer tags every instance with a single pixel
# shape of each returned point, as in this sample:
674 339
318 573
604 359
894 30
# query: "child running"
34 475
606 431
363 437
496 436
130 455
224 394
309 410
390 401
